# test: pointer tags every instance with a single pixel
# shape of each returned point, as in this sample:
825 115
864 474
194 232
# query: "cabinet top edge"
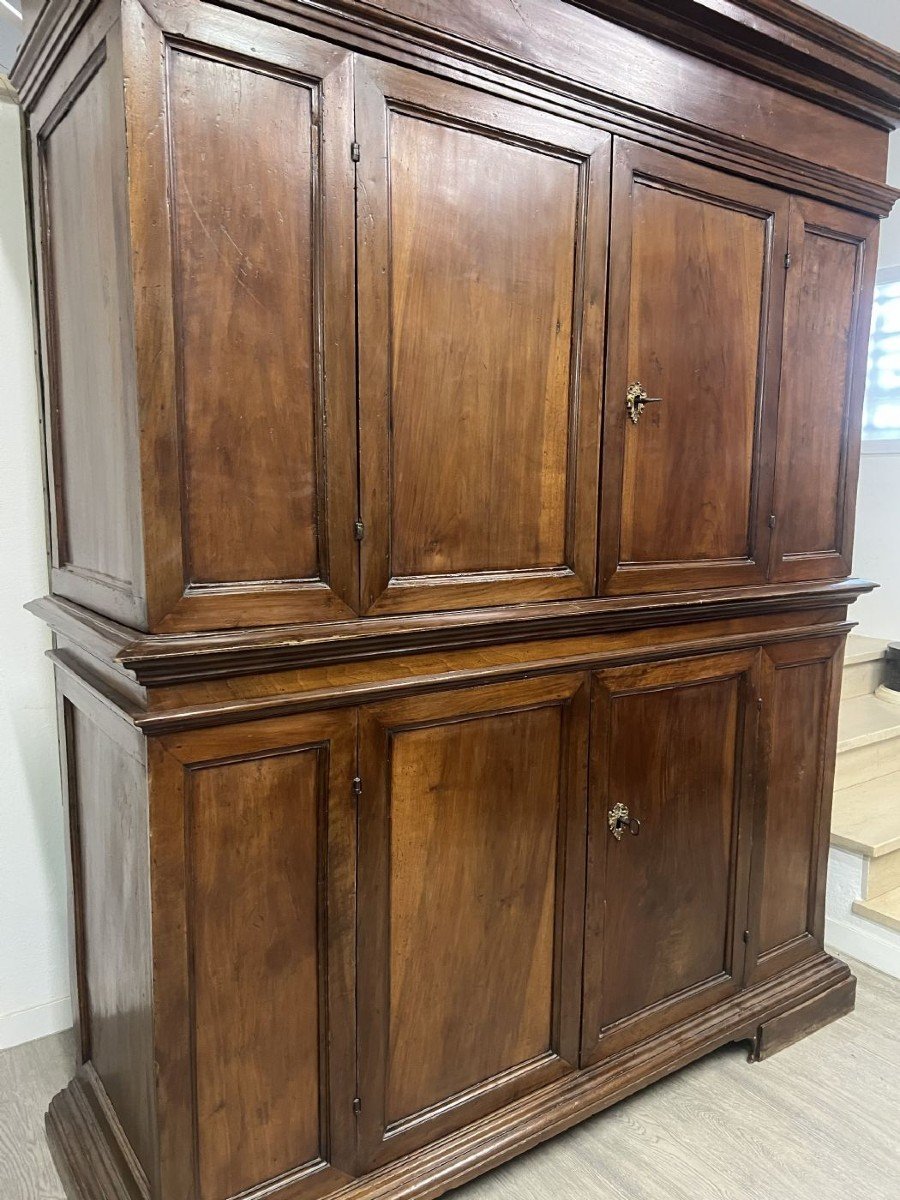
779 42
159 659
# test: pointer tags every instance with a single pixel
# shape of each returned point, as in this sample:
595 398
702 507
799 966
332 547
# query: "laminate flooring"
819 1121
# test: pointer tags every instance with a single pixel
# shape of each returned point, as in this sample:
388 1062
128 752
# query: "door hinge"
357 786
354 151
357 1105
359 530
772 521
747 936
787 261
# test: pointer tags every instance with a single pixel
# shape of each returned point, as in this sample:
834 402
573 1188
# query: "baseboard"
865 941
29 1024
96 1163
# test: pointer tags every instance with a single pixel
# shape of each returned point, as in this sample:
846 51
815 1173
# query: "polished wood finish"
670 743
687 489
502 771
481 268
823 378
370 602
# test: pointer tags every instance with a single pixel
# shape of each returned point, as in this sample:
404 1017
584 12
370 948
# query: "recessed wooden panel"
481 291
483 268
798 716
474 815
91 349
107 788
822 383
793 804
696 305
692 279
667 743
243 193
469 804
254 912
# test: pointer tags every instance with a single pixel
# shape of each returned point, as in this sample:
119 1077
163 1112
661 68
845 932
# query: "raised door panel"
91 405
482 246
667 879
250 449
800 691
470 901
254 830
826 325
697 285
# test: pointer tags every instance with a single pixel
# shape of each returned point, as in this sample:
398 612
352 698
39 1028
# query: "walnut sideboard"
452 418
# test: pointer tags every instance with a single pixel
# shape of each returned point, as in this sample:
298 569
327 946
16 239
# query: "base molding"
95 1161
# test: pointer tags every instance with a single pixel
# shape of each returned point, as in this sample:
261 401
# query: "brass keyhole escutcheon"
619 819
635 399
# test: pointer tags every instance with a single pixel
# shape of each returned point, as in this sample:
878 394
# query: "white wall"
877 551
34 982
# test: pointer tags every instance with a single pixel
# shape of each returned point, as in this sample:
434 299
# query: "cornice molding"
825 52
778 42
155 660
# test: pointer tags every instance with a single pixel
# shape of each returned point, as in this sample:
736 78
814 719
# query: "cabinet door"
253 831
471 892
828 308
242 208
800 692
671 743
697 287
482 262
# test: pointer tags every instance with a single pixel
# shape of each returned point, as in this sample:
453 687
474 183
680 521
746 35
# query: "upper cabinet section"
697 289
482 256
361 311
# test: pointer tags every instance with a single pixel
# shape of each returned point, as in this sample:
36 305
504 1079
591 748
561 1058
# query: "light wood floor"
820 1121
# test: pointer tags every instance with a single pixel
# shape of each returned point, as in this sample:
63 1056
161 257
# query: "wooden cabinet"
671 763
451 416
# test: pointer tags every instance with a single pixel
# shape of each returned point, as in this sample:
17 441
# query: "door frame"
379 1142
171 760
381 88
632 160
606 684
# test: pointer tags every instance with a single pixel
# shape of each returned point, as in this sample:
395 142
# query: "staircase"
863 900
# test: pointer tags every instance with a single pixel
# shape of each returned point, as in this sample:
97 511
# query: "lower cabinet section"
389 932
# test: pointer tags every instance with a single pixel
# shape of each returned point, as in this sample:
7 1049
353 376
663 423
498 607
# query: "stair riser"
861 679
881 875
867 762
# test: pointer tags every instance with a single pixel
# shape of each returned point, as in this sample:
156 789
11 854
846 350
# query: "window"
881 415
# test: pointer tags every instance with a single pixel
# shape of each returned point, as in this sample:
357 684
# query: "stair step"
866 818
863 649
885 910
868 741
865 720
865 664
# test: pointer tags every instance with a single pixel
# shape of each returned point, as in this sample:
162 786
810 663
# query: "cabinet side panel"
90 343
798 724
108 794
